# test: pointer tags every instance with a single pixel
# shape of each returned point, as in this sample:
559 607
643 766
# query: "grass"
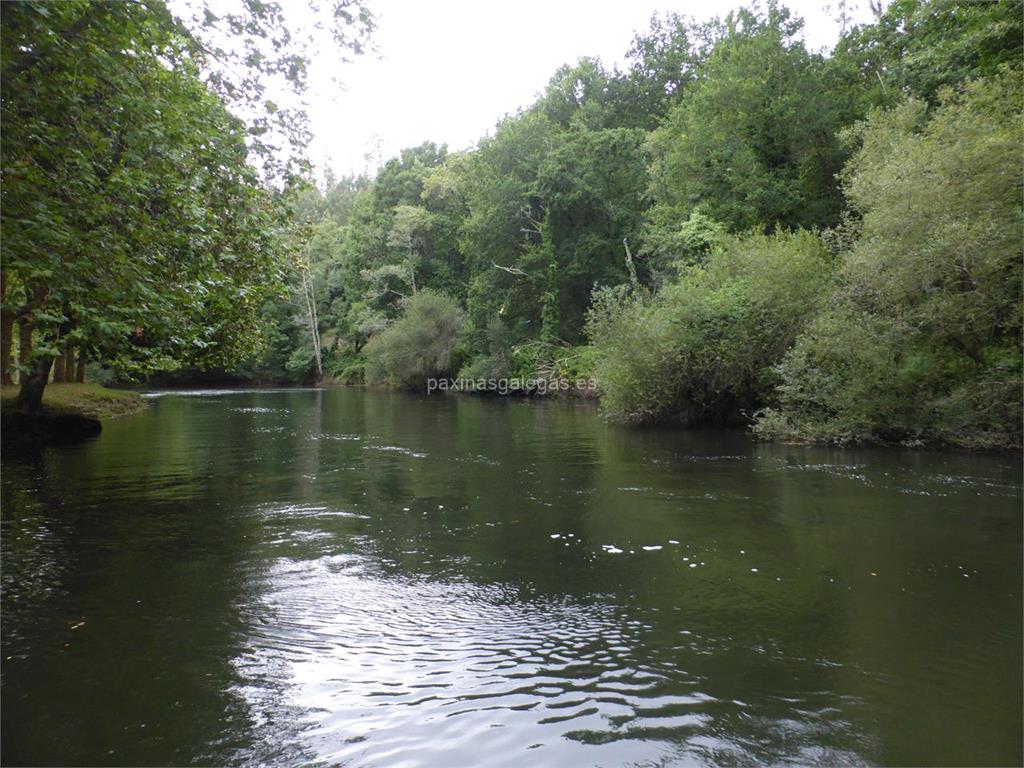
91 400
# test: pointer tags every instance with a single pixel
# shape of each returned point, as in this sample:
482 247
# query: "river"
339 577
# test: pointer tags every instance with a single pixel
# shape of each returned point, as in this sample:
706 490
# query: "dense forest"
734 228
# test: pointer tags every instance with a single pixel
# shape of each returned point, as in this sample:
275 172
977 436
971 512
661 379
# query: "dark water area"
341 577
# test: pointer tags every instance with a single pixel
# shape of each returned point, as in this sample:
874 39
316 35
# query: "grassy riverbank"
90 400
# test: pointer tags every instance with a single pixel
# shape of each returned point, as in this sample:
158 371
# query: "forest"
734 229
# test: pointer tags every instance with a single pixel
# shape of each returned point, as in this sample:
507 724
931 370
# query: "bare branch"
633 280
511 270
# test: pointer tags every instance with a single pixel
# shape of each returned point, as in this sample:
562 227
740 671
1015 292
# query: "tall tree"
919 46
133 223
753 141
663 61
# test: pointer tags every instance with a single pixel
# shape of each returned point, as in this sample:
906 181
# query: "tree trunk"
634 282
69 364
314 321
6 333
80 369
24 345
30 396
6 339
58 369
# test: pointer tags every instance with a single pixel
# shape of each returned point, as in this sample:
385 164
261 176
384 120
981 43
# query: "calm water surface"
346 578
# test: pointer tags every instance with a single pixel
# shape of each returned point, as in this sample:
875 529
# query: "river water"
341 577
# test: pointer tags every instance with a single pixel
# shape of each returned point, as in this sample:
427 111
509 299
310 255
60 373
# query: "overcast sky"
448 70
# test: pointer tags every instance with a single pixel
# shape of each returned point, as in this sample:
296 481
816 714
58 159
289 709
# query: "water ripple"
361 665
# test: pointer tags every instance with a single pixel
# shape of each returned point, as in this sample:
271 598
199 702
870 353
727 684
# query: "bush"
848 377
484 367
419 345
562 366
538 361
347 369
703 348
674 240
853 377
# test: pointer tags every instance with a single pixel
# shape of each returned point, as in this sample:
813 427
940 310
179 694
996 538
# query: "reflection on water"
337 577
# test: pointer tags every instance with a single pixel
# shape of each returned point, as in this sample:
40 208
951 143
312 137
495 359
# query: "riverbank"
70 413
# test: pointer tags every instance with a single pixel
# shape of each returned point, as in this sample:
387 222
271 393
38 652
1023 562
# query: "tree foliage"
417 346
923 341
916 47
703 347
752 141
134 225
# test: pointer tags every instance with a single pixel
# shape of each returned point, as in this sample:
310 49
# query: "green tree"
919 46
502 223
592 184
752 143
924 338
133 225
663 62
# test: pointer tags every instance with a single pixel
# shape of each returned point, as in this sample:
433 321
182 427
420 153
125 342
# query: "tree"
133 225
919 46
410 231
923 338
257 48
663 63
752 142
502 224
593 185
702 348
585 95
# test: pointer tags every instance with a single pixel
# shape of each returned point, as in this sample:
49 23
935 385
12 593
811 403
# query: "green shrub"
347 369
853 377
497 339
538 361
484 367
419 345
984 411
848 377
703 348
560 364
673 240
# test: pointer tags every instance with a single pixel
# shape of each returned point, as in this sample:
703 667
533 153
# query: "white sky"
448 70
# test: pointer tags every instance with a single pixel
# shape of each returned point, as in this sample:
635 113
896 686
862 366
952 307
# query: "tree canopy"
135 226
